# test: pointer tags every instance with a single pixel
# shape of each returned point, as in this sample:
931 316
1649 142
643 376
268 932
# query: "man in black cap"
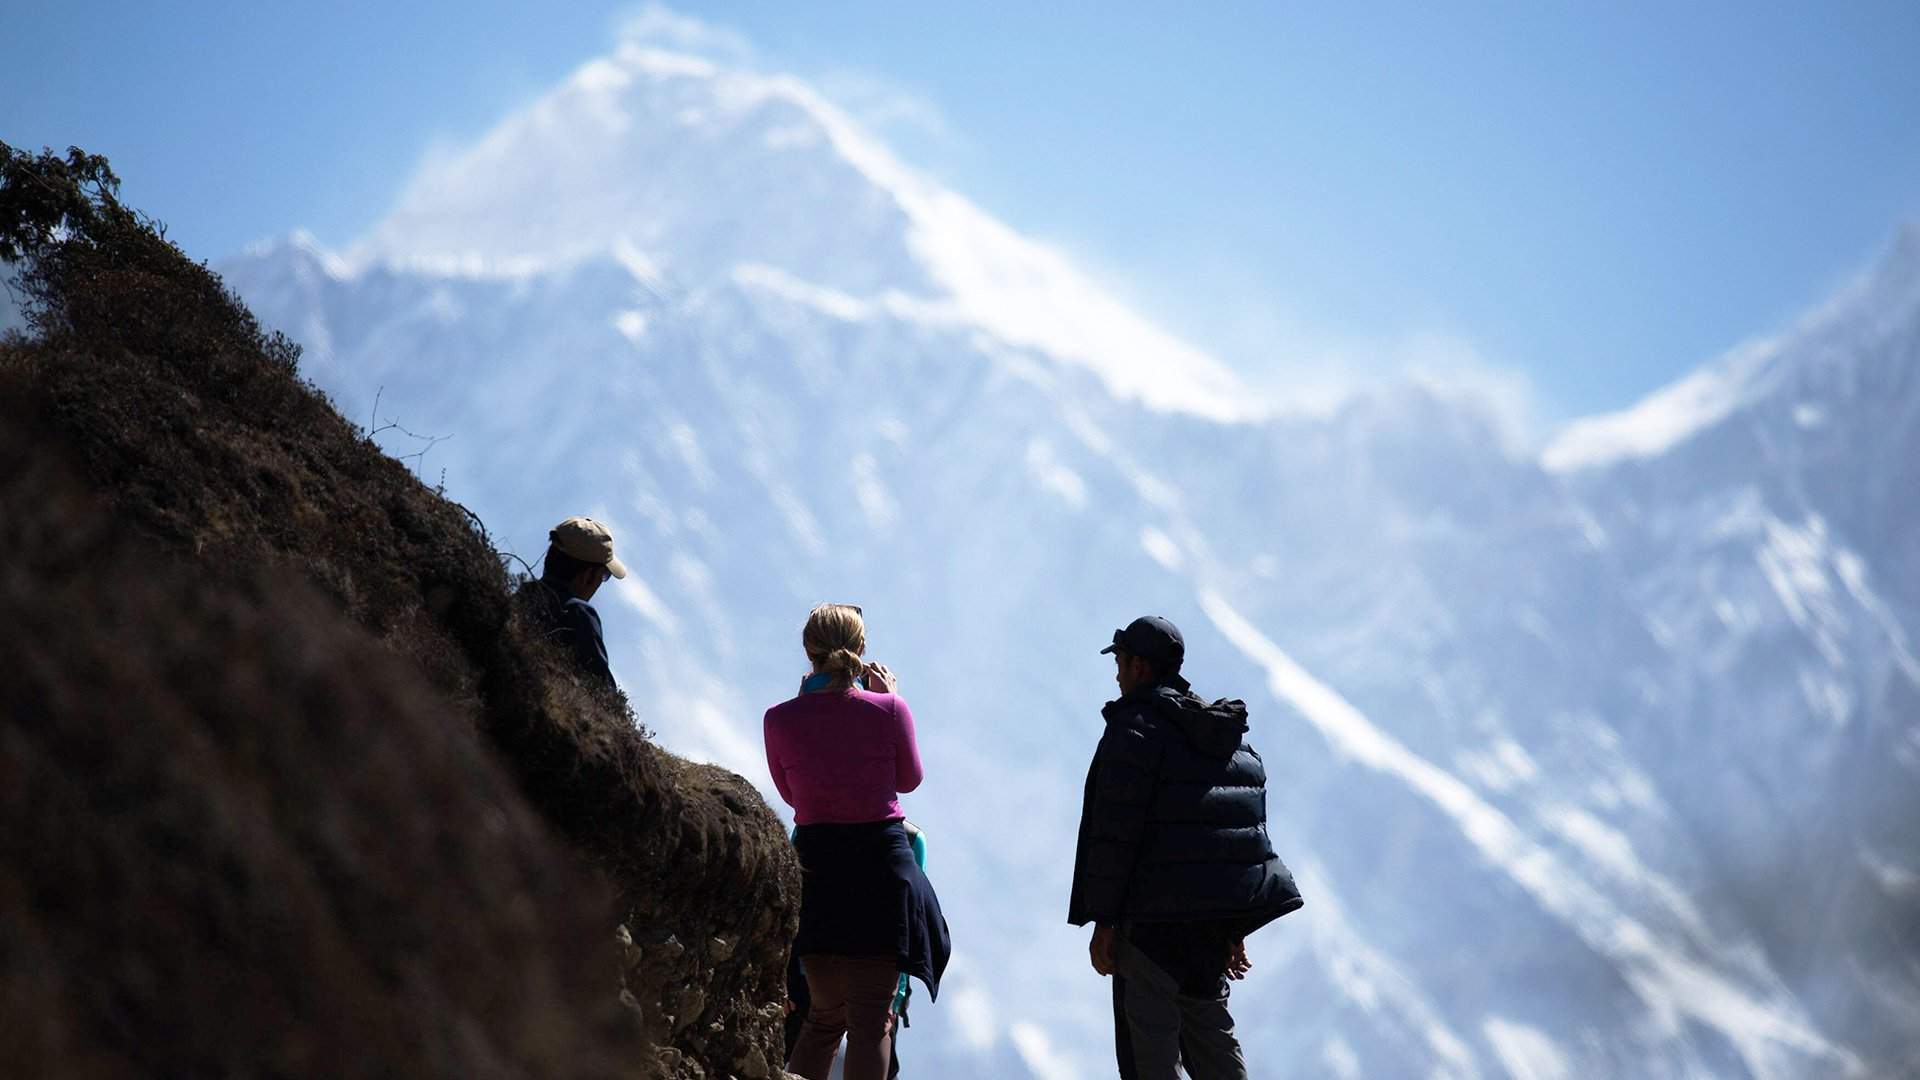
1174 867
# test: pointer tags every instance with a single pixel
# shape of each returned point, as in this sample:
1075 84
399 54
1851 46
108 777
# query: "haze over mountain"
1595 762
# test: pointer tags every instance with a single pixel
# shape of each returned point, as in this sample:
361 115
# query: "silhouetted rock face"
241 838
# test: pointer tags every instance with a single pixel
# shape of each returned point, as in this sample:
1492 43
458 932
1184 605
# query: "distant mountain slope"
1825 356
1775 548
1549 819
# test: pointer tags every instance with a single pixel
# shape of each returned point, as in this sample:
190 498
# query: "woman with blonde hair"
841 752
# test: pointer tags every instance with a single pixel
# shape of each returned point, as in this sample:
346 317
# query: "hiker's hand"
880 680
1101 949
1237 963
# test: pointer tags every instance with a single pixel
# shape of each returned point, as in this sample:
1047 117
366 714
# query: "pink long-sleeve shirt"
842 757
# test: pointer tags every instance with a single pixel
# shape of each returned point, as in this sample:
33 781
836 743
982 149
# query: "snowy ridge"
1666 418
1671 416
604 174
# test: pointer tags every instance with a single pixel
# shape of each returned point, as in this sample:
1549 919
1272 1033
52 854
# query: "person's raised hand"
1237 963
1100 949
880 680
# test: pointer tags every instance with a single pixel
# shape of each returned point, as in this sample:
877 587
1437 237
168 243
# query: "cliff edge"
288 787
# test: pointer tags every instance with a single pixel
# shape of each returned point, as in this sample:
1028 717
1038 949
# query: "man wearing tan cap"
579 560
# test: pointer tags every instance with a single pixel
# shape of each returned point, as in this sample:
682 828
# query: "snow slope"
1599 765
1747 376
625 154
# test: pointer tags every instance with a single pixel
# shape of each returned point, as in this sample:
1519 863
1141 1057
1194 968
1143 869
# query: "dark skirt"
862 894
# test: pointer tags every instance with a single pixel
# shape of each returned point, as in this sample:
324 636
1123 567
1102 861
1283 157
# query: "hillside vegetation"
288 788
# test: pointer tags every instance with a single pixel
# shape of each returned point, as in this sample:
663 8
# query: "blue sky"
1599 197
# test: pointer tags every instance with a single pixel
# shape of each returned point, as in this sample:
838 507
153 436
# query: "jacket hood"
1213 728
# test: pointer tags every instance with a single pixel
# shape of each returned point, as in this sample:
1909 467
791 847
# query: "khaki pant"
852 996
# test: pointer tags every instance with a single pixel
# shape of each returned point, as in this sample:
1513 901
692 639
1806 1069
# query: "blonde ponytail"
835 639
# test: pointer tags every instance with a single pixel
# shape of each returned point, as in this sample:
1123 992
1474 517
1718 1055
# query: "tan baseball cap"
589 541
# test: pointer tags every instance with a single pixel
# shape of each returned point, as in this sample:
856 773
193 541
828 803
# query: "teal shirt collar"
816 682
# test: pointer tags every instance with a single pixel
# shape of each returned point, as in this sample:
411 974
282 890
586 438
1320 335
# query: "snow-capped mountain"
789 193
1600 764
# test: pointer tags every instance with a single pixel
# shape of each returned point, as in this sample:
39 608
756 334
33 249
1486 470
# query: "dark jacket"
863 894
1173 826
571 623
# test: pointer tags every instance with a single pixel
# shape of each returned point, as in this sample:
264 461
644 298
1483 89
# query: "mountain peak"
701 166
1866 309
707 168
1902 260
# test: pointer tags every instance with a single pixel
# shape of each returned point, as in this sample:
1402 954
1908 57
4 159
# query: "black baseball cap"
1150 637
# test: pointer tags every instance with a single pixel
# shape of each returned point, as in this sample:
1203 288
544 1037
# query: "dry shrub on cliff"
243 839
192 424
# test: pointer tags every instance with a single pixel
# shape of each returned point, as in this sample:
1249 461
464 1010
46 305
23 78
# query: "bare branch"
418 457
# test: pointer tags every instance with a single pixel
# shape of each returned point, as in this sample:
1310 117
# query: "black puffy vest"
1173 826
